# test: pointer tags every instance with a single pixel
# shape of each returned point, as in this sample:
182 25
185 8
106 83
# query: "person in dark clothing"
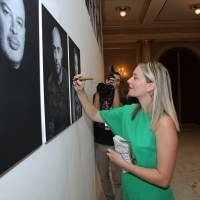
103 138
57 92
129 100
76 105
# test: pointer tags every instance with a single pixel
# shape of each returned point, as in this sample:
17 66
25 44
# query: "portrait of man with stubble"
56 80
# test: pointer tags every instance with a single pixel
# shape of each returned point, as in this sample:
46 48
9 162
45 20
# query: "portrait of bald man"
20 119
57 112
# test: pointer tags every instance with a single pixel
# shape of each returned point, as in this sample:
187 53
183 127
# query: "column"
145 51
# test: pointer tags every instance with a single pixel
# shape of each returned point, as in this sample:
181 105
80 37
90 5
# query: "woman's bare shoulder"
166 125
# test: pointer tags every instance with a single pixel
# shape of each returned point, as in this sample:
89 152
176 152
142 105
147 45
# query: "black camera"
111 72
107 90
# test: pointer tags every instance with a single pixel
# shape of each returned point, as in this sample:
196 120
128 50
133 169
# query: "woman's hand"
115 157
78 85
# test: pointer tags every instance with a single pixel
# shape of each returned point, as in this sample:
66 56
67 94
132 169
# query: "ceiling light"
197 11
122 13
122 10
196 8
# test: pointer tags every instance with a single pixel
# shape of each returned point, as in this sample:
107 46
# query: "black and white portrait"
74 60
94 11
20 118
98 23
56 80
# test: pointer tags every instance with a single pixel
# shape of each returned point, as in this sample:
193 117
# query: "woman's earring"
151 94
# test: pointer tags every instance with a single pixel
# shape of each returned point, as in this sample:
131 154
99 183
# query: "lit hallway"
186 180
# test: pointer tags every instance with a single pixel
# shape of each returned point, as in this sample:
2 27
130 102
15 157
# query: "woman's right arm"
90 110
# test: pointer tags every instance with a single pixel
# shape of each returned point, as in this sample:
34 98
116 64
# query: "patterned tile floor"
186 179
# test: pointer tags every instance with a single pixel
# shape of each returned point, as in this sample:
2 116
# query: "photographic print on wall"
94 11
56 79
75 68
20 117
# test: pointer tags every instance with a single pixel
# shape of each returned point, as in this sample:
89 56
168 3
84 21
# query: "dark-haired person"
103 138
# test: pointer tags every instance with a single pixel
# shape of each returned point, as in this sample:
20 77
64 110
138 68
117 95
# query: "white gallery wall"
65 167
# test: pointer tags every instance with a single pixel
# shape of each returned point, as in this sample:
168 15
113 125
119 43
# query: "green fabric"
143 143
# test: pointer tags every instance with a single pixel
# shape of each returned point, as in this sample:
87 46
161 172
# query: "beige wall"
65 167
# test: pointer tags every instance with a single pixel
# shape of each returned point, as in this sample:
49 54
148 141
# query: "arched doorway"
184 69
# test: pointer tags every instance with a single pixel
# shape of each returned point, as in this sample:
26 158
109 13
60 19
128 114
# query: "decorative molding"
144 43
144 10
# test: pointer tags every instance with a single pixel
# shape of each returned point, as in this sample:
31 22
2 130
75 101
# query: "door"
184 68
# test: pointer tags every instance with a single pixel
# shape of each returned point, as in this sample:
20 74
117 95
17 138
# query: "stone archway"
177 45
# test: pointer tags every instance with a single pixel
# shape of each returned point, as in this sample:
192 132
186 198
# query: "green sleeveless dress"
143 143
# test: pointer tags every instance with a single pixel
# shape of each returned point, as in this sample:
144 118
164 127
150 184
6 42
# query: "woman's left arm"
167 142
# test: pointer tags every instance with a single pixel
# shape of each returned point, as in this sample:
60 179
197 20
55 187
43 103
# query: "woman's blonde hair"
162 95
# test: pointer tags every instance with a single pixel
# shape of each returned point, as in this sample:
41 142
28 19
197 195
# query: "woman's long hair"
162 95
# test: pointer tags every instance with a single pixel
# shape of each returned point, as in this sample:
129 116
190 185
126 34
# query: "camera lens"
105 91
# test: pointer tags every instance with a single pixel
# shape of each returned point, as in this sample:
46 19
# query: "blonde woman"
150 126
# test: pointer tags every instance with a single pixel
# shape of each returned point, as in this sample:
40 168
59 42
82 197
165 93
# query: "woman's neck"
146 106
